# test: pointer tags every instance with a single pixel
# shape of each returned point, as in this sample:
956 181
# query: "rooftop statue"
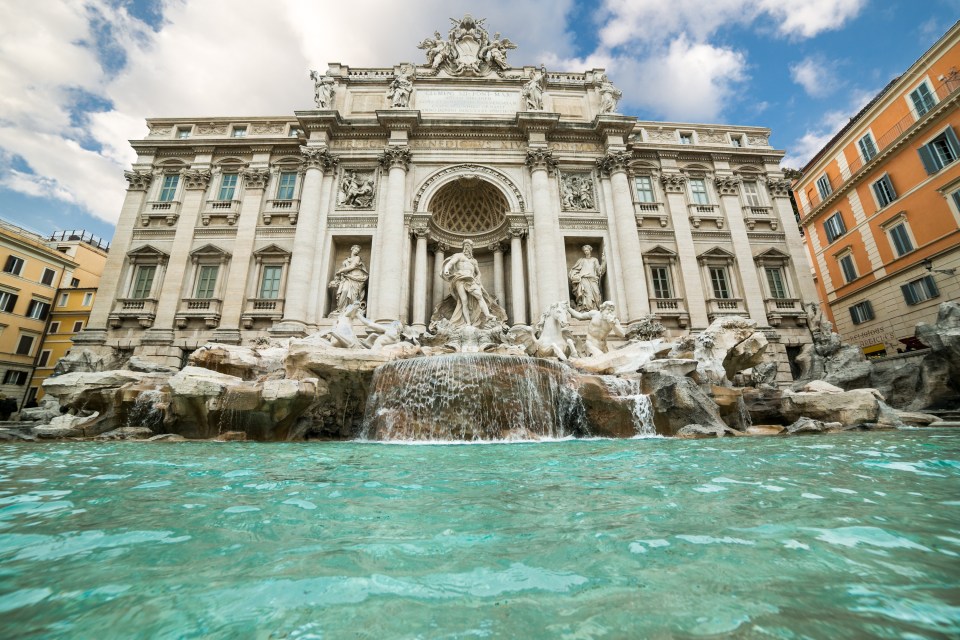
401 87
533 89
468 49
609 94
323 90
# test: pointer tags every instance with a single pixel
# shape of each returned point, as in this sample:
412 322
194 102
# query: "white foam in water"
641 407
872 536
712 540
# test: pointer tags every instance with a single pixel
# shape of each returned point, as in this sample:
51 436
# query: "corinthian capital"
396 157
614 161
138 180
727 185
779 187
316 158
541 159
255 178
196 178
673 182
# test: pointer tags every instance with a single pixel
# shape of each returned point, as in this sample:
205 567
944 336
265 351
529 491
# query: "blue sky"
79 77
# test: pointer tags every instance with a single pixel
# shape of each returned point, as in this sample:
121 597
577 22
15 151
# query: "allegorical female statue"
585 278
350 280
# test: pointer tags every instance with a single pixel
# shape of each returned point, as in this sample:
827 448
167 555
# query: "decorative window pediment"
716 255
148 254
772 256
209 253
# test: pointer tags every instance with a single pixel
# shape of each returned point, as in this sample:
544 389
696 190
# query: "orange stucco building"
880 207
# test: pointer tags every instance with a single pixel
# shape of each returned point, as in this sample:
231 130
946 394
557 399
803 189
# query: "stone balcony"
655 210
670 308
717 307
270 309
167 210
753 215
143 310
289 209
778 309
700 212
227 209
205 309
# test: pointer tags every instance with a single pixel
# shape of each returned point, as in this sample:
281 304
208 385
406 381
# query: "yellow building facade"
880 207
74 300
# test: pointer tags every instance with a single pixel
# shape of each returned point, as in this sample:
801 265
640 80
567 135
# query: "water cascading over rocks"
473 397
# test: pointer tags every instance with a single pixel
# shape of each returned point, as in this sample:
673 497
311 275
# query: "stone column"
318 279
516 277
728 187
420 279
195 183
673 186
234 296
551 269
394 243
631 262
96 329
779 189
499 286
439 284
297 295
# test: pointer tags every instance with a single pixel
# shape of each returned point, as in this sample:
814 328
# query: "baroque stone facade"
235 228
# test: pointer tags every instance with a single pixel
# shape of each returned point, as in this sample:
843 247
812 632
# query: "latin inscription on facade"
456 101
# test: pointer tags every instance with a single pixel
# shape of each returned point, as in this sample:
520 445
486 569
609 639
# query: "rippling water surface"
853 535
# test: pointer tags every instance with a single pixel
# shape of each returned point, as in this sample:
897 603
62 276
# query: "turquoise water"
845 536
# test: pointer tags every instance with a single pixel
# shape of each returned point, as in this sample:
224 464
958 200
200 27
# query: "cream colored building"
234 227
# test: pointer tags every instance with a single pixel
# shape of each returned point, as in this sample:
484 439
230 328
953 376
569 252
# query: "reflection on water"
853 535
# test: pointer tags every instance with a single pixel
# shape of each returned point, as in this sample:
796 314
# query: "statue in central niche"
472 305
585 279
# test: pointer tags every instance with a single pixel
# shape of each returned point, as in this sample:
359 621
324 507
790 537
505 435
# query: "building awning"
874 348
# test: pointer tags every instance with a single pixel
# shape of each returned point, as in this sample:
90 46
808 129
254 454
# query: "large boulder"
679 401
247 363
615 407
700 431
940 370
730 344
74 426
849 407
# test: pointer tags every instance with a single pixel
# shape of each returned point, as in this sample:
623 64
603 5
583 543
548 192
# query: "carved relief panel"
357 188
577 192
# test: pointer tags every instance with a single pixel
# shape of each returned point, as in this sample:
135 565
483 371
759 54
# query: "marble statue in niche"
576 192
585 279
350 280
356 189
401 88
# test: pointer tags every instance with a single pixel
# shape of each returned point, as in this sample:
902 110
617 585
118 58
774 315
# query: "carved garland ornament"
138 180
673 182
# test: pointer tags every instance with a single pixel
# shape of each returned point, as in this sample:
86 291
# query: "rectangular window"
661 282
900 239
78 326
919 290
183 133
54 327
751 193
228 185
718 278
270 284
775 281
47 277
13 265
922 99
644 189
848 267
168 189
867 147
883 189
143 282
88 298
824 187
15 377
7 301
206 281
861 312
698 191
25 345
285 185
293 133
74 282
38 310
239 132
64 299
686 138
736 141
834 227
44 359
939 152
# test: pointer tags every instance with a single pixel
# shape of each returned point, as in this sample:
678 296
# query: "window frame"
205 287
43 276
883 191
281 186
183 133
755 195
862 312
227 192
63 299
87 299
263 280
694 194
78 326
864 154
784 290
37 310
29 350
720 270
824 188
8 301
54 327
931 155
638 191
925 285
844 259
238 131
666 281
915 106
829 229
686 137
44 358
14 265
19 379
169 187
136 283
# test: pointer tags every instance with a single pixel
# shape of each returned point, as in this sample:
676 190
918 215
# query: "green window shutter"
908 294
932 287
952 141
926 157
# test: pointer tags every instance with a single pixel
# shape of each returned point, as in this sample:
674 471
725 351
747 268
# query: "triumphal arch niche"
239 227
